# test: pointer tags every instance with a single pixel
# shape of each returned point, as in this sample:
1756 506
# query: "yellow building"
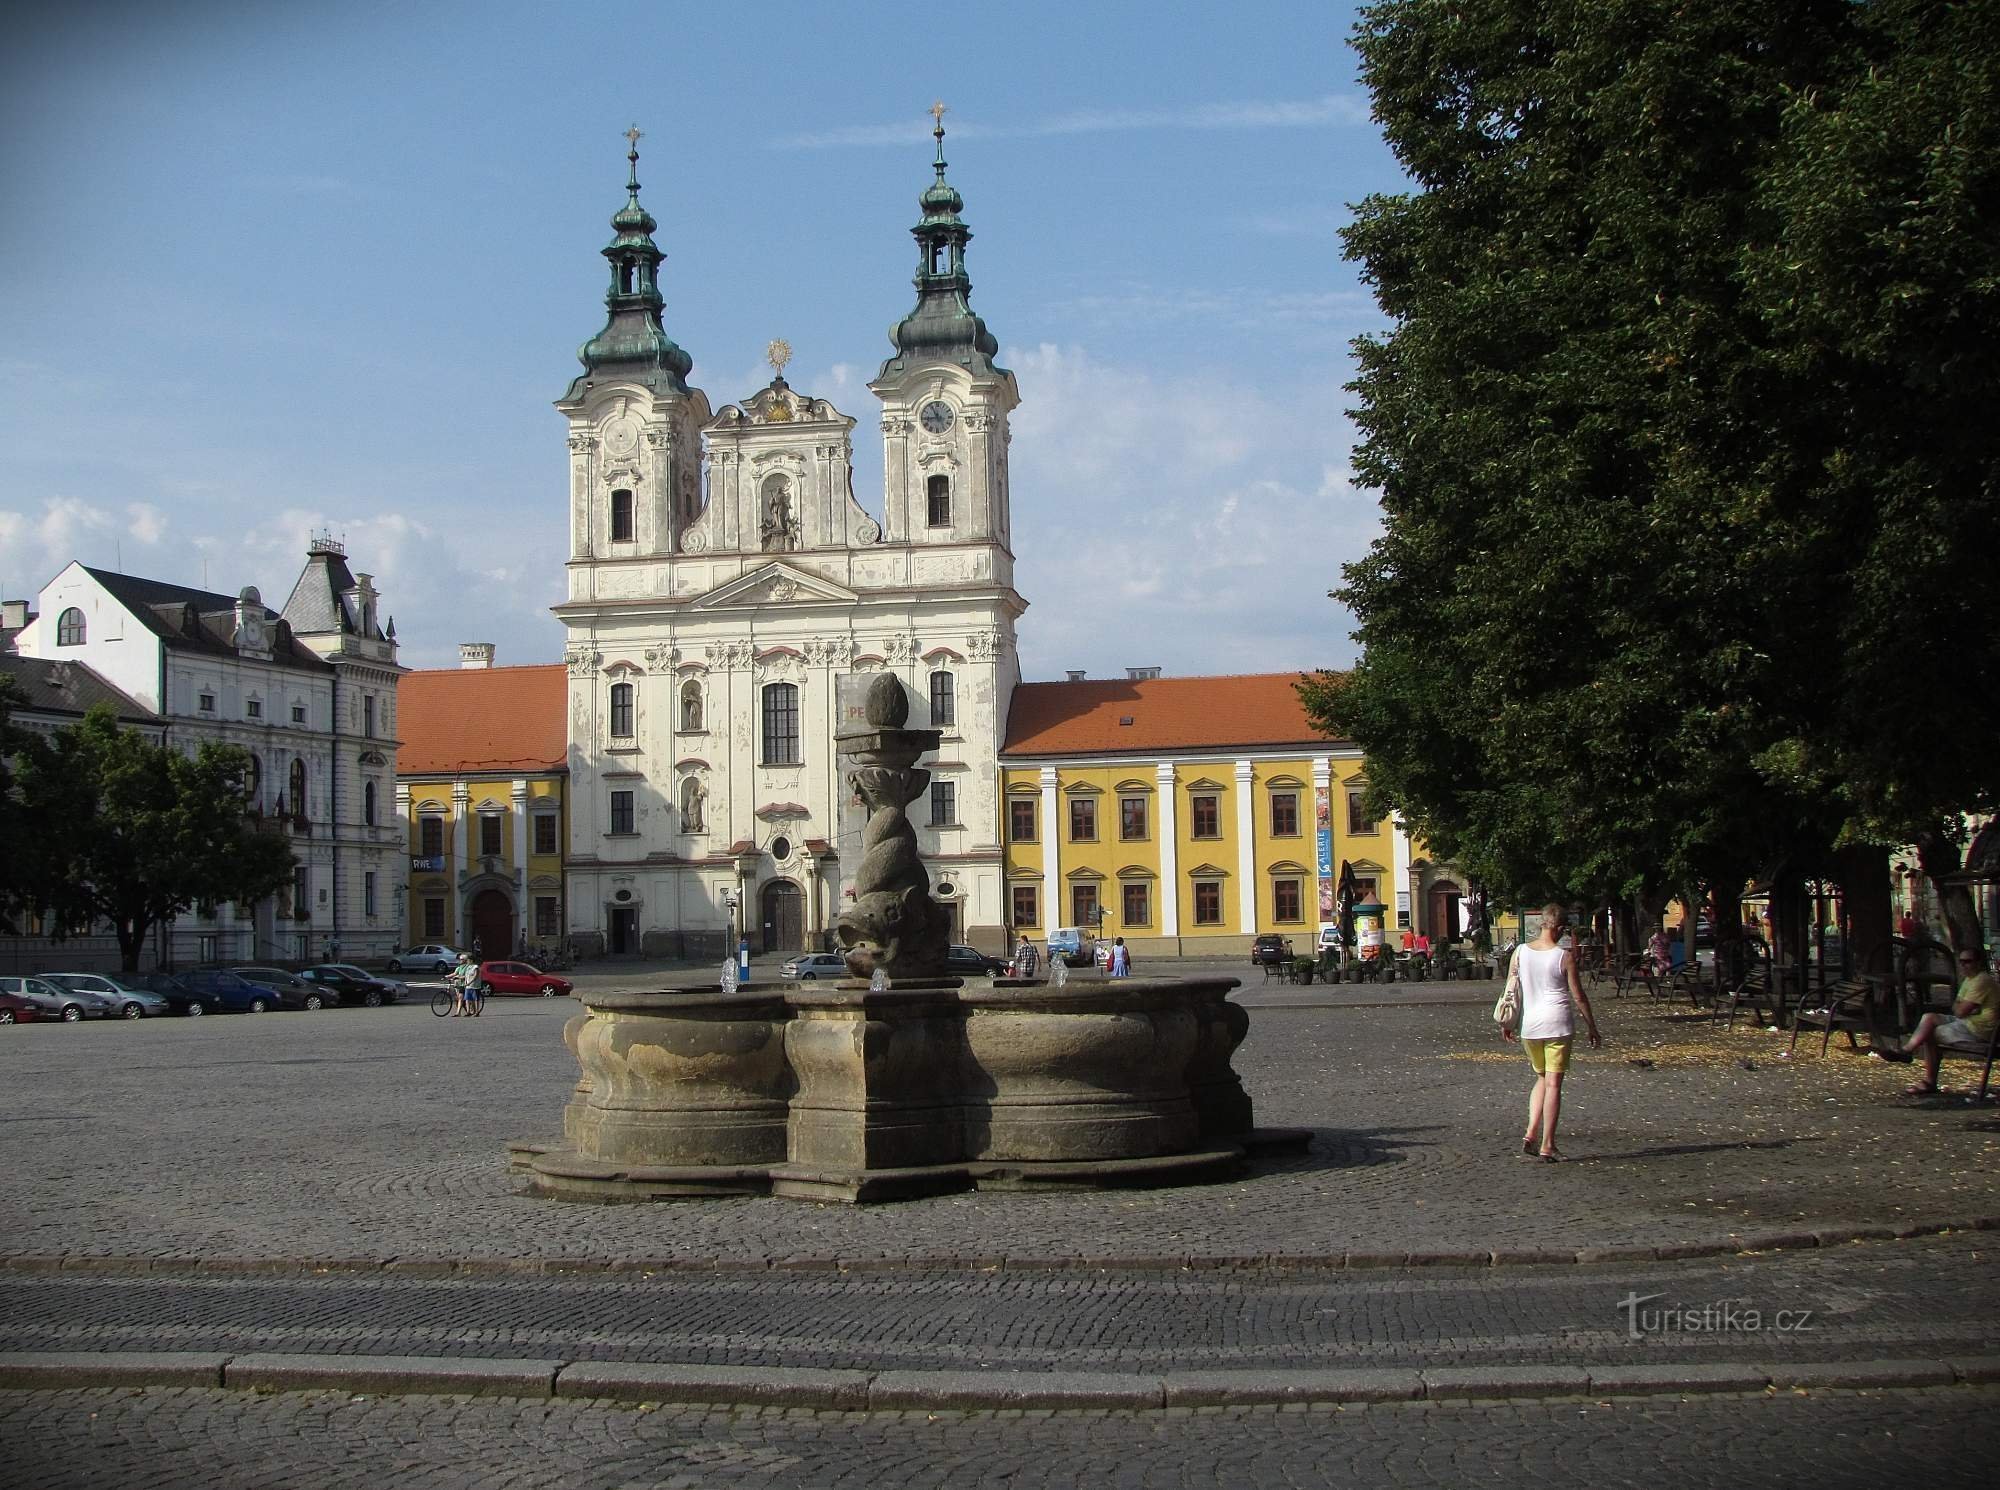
481 786
1191 814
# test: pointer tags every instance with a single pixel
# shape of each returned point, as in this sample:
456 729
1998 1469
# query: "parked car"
393 989
18 1008
293 991
813 966
130 1000
521 978
350 986
432 957
180 998
961 959
1073 945
1270 950
223 989
66 1004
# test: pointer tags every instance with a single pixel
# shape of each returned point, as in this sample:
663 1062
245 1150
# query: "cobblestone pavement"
379 1134
1867 1301
164 1439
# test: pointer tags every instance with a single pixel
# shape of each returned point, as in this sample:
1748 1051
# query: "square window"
1205 821
1286 900
1284 814
944 804
1082 820
430 837
1021 820
489 834
1208 902
298 713
1027 906
253 708
434 917
546 922
545 832
1358 820
622 820
1083 905
1138 905
1131 817
206 703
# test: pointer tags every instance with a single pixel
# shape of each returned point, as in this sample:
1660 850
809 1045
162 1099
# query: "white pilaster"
1246 845
461 841
1054 913
519 801
1170 851
1399 848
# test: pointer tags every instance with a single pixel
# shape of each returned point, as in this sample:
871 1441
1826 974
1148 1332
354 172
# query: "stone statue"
893 924
691 708
693 805
781 529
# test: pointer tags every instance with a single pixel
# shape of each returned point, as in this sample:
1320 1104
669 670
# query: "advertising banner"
1323 819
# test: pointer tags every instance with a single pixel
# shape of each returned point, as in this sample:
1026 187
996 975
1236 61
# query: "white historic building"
724 580
310 692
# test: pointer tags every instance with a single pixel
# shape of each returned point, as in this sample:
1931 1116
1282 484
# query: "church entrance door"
492 922
784 917
624 931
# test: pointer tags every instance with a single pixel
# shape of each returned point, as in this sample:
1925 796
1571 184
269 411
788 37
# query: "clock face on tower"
621 436
935 417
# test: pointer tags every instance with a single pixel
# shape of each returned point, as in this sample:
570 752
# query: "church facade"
724 581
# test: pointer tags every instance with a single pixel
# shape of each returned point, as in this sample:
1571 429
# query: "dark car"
17 1008
350 988
293 992
394 990
1270 950
960 959
181 999
224 990
521 978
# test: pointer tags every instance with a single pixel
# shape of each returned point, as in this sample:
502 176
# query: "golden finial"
778 353
633 136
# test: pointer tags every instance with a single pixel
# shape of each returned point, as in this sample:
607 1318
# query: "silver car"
813 966
61 1003
432 957
127 999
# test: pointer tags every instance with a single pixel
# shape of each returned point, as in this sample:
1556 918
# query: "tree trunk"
1864 894
1941 858
131 941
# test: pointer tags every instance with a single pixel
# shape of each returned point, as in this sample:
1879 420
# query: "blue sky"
266 269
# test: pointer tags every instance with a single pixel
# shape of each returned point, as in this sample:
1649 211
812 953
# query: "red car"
518 977
14 1009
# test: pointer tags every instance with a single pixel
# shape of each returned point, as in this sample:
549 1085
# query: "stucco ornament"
893 923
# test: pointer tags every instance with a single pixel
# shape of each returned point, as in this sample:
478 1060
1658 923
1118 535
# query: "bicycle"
475 1001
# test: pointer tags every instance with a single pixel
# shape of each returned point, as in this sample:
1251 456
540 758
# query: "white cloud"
1306 113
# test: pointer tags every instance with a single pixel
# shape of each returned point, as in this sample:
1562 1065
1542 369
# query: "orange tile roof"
482 719
1226 713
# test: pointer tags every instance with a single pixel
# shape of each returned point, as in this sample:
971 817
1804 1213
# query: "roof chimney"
1141 674
13 614
1076 675
475 654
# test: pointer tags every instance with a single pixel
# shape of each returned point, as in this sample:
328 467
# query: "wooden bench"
1849 1005
1981 1053
1756 991
1689 983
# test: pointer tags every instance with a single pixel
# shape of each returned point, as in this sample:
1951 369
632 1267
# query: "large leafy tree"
134 833
1675 432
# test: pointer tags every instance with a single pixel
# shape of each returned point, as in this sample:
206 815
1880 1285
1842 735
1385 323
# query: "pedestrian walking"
461 979
1026 960
1542 975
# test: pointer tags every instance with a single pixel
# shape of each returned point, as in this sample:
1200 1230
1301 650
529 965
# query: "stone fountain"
899 1080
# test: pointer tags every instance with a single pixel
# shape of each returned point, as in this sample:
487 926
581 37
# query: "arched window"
691 707
938 492
69 628
621 711
297 792
944 701
368 803
781 724
621 517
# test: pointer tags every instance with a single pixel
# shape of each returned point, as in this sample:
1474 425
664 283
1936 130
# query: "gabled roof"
60 686
454 720
199 620
1220 713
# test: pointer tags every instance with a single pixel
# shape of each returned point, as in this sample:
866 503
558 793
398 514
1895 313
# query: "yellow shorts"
1548 1055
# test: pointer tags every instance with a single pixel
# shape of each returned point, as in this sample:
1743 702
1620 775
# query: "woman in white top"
1543 974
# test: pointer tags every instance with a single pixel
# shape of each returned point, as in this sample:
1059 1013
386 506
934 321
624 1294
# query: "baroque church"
723 583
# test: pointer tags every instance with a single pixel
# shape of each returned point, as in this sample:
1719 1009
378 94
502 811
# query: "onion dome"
942 327
633 343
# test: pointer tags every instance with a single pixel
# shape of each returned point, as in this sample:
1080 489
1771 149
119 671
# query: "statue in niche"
693 804
781 527
691 708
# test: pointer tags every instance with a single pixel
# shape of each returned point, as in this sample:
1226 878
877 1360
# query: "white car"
432 957
814 965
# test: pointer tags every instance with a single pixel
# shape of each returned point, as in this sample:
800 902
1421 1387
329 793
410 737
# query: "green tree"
1666 501
15 743
137 833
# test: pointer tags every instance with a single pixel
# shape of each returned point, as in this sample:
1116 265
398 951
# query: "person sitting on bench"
1968 1027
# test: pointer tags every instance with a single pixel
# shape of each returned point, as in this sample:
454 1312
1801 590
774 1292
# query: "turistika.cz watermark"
1643 1316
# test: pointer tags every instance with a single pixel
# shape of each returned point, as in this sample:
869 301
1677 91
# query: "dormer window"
69 628
621 517
938 500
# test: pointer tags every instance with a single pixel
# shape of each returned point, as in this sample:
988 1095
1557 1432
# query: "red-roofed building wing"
1115 715
461 720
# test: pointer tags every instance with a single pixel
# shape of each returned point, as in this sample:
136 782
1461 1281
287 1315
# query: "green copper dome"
942 327
633 343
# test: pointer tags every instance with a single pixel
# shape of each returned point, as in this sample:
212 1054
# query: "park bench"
1849 1005
1689 983
1755 990
1984 1054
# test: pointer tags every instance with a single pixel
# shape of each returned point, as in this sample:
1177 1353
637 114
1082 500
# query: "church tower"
945 401
634 440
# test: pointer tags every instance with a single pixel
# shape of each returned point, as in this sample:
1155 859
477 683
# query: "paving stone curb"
893 1391
1736 1245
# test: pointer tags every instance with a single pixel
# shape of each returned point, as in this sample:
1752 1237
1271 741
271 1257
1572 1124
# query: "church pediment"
775 584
